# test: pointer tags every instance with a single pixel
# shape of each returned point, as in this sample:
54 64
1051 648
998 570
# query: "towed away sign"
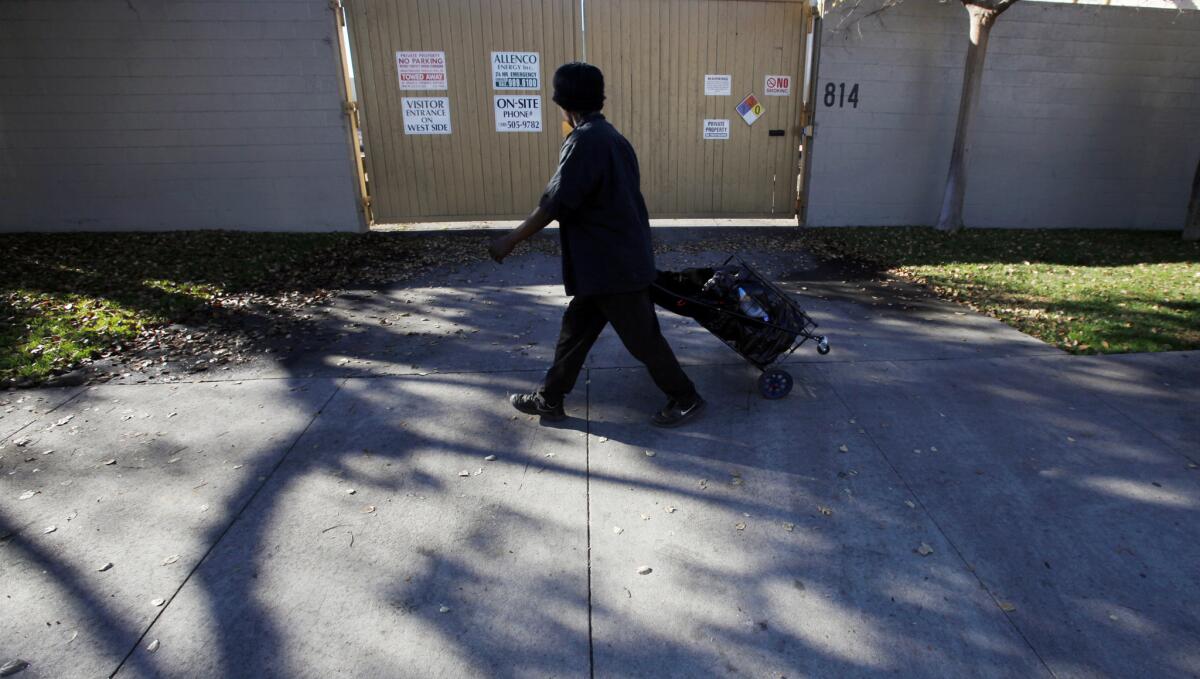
421 70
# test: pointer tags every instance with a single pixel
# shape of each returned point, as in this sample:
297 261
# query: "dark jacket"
596 197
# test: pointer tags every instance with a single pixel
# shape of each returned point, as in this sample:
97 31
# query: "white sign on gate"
421 70
426 115
777 86
716 129
718 85
516 71
518 113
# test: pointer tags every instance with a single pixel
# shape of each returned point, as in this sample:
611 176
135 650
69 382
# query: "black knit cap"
579 87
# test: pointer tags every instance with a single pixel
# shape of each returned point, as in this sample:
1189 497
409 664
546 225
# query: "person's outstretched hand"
501 247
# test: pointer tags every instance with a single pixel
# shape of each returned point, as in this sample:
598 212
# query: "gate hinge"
350 107
336 5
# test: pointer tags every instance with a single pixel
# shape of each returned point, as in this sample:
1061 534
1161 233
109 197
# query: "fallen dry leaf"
12 667
844 448
924 549
740 525
1007 607
644 570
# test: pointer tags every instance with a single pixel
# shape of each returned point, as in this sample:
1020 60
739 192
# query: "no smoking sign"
777 85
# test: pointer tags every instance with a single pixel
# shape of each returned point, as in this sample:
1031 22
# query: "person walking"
607 256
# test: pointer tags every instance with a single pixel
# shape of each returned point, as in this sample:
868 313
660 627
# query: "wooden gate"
656 56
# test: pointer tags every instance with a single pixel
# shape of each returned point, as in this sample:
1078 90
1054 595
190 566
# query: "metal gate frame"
350 107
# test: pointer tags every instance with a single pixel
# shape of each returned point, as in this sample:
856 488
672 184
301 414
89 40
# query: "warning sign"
716 129
516 71
716 85
421 70
426 115
516 113
777 86
750 110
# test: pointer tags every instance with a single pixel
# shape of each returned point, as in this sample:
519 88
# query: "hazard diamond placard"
750 110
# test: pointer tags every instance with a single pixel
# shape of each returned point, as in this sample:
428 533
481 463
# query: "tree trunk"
981 19
1191 227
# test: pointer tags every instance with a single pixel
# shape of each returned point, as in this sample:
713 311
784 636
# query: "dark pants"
632 316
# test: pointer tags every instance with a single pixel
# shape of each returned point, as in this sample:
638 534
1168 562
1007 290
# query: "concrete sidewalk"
941 496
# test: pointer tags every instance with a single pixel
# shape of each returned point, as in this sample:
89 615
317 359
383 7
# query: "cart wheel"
822 345
775 383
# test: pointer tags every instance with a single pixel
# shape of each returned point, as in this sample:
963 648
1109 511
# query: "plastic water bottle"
750 307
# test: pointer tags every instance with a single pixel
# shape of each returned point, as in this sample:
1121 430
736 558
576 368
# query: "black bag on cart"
713 298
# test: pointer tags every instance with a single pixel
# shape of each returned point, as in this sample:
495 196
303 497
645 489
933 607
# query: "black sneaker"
675 414
535 404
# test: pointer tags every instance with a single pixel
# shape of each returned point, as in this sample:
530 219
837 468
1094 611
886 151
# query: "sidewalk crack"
39 418
587 459
228 526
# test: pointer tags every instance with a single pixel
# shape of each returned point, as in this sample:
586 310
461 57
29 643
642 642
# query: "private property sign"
518 113
421 70
516 71
426 115
716 128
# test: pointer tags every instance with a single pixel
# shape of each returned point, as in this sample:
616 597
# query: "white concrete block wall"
1089 117
172 114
